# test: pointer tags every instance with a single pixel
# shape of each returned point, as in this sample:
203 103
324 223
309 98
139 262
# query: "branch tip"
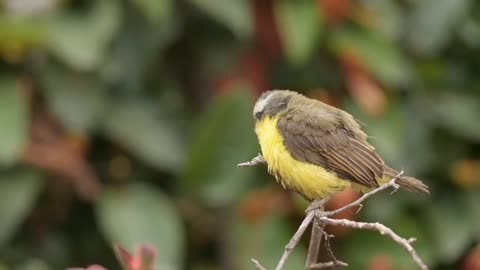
255 161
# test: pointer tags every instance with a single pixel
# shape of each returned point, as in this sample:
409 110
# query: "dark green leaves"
444 217
78 101
457 112
140 127
300 25
432 22
223 138
139 214
234 14
14 116
18 192
81 40
381 57
157 11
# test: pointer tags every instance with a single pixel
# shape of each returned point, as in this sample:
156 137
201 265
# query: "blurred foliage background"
122 121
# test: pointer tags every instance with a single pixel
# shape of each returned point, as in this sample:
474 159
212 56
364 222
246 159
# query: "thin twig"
321 217
327 265
328 247
383 230
317 232
315 242
294 241
258 266
255 161
365 196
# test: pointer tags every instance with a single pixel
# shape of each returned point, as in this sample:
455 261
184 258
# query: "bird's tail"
409 183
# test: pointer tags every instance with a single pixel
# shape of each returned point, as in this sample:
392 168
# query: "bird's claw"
315 205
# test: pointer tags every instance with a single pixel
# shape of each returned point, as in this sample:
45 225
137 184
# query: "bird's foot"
315 205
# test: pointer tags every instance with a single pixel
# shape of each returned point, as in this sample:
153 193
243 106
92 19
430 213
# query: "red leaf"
251 69
335 11
338 201
261 203
381 262
143 259
367 93
472 262
266 33
364 89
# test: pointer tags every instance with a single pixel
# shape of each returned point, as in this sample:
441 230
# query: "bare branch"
327 265
365 196
294 241
315 242
255 161
258 266
328 248
315 212
383 230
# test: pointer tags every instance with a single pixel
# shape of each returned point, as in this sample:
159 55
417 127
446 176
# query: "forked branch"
319 218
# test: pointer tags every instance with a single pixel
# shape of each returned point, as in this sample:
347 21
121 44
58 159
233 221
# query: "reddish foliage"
325 96
261 203
466 173
51 149
381 262
143 258
472 262
338 201
266 32
250 69
363 88
335 11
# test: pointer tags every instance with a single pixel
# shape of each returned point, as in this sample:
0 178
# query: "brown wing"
325 139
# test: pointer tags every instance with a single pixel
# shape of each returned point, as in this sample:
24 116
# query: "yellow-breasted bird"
318 150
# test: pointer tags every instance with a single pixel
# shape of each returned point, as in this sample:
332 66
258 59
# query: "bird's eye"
258 115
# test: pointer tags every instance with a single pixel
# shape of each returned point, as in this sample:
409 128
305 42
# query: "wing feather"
323 139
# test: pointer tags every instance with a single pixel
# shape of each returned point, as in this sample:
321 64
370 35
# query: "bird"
319 150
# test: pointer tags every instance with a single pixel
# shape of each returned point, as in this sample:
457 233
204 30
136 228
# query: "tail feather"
409 183
412 184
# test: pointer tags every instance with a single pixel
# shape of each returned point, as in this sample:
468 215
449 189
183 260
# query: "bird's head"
272 102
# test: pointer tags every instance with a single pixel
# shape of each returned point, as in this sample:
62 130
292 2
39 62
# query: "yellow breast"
310 180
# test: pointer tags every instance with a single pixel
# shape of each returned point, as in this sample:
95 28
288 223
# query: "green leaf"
300 25
157 11
444 216
82 40
389 19
223 138
470 32
34 264
14 118
137 125
18 33
472 201
457 112
78 101
434 22
142 214
234 14
265 242
381 57
18 192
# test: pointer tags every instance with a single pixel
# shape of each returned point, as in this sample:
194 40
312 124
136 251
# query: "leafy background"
122 121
